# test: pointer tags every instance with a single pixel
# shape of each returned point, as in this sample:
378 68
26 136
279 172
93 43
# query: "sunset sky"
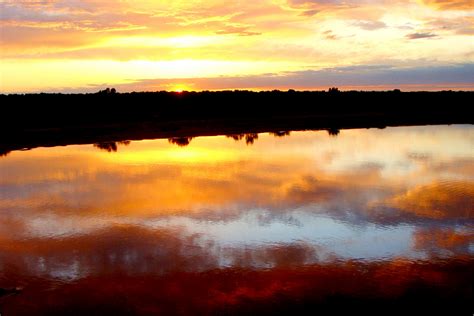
82 46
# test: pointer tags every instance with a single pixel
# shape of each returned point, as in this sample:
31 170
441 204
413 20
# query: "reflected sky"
153 208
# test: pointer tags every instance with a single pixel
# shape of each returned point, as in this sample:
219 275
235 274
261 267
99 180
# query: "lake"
256 223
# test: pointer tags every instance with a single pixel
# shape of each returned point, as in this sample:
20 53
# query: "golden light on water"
374 213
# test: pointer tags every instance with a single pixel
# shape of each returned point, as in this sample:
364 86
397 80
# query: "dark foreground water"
378 220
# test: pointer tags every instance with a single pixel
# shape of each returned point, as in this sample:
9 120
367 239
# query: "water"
295 221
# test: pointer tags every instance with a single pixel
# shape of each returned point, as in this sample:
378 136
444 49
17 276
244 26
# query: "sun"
179 88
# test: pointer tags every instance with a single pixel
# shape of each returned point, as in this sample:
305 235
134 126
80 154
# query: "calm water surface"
221 226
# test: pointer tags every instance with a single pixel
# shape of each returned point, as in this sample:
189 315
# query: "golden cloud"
439 200
450 4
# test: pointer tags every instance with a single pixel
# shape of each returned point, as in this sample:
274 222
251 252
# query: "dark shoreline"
46 120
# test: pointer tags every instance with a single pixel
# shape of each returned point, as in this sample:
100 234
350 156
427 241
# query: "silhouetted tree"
334 90
149 114
107 91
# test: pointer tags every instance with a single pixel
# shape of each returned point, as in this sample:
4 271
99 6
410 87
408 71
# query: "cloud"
450 4
69 192
438 4
239 30
320 2
310 190
370 25
309 13
288 33
355 76
98 213
459 25
437 201
330 35
414 36
448 241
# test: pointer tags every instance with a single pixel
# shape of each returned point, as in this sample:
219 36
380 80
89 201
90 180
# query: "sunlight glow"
62 46
91 75
179 88
170 154
186 41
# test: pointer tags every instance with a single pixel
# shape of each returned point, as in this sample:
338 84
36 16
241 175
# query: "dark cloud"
417 35
241 31
329 35
310 190
316 2
447 241
310 13
370 25
363 76
459 25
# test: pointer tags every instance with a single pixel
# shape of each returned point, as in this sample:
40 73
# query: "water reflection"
180 141
281 133
250 138
218 226
111 146
333 132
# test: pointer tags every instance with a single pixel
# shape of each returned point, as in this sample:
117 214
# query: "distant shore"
45 120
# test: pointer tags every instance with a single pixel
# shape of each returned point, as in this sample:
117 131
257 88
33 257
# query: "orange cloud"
450 4
439 200
436 240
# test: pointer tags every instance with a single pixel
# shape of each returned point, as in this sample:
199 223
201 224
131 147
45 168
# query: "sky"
84 46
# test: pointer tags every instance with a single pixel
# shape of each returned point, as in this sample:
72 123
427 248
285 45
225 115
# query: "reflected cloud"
336 287
440 201
367 212
445 241
284 202
309 190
